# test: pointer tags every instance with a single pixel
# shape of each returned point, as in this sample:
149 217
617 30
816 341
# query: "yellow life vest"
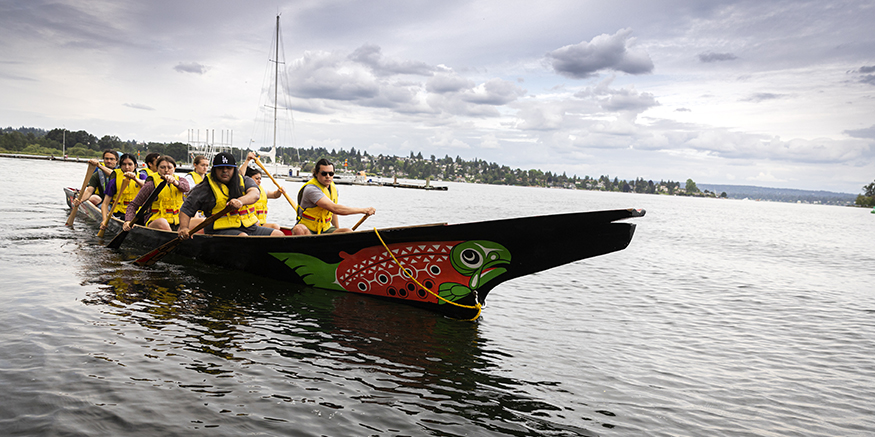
167 204
149 172
261 206
316 218
245 216
127 196
196 176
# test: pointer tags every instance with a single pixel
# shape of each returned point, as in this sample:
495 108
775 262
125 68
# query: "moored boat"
448 268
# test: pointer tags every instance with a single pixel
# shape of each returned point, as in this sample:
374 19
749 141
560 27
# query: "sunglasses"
327 173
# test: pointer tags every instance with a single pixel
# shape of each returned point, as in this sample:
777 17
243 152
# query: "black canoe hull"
453 266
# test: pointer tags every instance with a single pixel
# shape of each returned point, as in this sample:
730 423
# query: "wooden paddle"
362 220
277 184
147 205
155 255
72 216
112 208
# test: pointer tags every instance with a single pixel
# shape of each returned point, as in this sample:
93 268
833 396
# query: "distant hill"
780 194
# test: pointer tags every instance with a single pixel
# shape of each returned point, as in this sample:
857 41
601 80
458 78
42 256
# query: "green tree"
691 187
177 151
111 142
866 199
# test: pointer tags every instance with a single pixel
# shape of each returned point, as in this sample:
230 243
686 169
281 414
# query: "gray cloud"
716 57
138 106
869 78
605 52
191 67
366 79
618 100
629 100
447 83
493 92
10 76
331 76
867 69
683 110
868 132
761 97
371 55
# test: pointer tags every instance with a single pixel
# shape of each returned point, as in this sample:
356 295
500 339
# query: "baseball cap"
224 159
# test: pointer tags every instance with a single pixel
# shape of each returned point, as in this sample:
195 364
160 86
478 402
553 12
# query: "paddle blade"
155 255
72 216
118 240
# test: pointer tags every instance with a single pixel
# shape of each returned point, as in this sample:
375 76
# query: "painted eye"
471 258
421 293
434 270
383 278
391 291
363 286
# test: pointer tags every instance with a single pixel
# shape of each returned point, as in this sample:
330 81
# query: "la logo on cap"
224 160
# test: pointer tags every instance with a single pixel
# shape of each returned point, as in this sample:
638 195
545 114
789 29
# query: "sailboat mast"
276 82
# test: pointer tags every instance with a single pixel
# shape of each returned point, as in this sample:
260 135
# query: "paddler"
261 205
224 186
97 184
151 166
164 211
317 203
127 169
201 165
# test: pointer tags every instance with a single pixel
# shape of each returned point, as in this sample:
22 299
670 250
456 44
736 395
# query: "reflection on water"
337 353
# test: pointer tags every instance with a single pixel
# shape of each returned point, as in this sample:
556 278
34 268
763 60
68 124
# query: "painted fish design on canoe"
452 269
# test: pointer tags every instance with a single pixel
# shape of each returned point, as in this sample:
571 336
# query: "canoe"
448 268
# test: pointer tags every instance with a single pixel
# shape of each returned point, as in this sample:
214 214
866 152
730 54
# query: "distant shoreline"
44 157
789 195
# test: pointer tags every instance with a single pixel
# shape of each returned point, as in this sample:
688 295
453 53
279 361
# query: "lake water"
722 318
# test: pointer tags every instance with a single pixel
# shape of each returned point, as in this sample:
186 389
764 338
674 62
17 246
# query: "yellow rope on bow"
407 272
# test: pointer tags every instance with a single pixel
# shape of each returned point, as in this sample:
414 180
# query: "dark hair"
109 151
198 159
127 156
251 172
150 158
234 188
320 163
167 158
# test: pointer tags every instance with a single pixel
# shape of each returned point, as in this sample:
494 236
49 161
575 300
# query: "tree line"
415 166
56 142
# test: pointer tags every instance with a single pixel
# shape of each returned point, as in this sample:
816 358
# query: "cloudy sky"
769 93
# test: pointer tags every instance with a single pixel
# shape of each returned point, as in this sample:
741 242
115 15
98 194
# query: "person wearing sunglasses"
317 203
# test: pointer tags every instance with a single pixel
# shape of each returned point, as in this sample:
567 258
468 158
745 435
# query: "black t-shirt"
201 198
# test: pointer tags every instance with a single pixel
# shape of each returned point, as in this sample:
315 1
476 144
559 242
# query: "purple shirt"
144 193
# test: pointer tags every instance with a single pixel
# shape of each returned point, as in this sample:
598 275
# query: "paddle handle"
155 255
257 161
210 220
72 216
112 207
361 220
147 205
